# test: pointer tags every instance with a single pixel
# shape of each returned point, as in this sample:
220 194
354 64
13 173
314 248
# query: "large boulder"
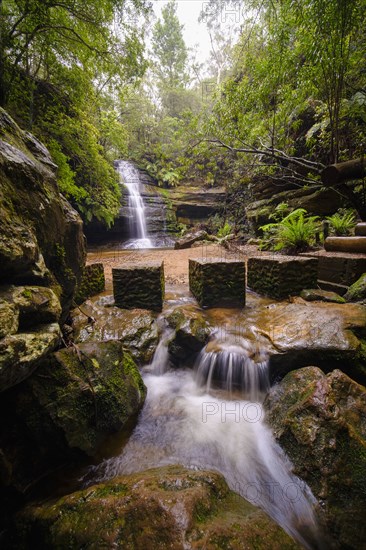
67 409
320 421
314 333
98 320
159 509
41 237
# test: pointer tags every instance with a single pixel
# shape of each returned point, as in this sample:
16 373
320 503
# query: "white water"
202 428
129 176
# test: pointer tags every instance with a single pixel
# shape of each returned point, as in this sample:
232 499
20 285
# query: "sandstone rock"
319 420
360 229
159 509
282 276
192 332
139 286
21 353
135 328
319 295
357 291
318 334
217 283
189 239
92 282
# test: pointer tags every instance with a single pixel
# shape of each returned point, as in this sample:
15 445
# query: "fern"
295 233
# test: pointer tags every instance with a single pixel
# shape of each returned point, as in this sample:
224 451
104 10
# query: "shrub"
342 222
294 233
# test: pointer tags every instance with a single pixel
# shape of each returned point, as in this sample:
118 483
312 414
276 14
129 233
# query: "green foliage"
225 230
281 210
61 64
294 233
342 222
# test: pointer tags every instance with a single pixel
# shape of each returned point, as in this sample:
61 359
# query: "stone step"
360 229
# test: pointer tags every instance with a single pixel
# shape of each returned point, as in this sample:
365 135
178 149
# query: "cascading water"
130 177
212 418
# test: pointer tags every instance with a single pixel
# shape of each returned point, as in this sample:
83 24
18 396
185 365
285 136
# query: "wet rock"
189 239
357 291
97 320
319 334
21 353
282 276
192 332
92 282
318 295
217 283
320 422
90 392
139 286
165 508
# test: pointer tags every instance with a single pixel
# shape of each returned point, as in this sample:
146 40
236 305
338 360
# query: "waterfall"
236 365
130 177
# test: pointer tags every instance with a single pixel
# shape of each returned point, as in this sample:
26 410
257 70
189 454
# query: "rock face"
100 321
67 408
217 283
194 204
139 286
309 333
282 276
320 422
159 509
41 238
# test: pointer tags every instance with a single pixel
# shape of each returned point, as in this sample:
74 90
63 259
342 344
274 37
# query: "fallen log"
344 171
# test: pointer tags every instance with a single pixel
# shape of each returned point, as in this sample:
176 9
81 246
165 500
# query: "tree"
171 56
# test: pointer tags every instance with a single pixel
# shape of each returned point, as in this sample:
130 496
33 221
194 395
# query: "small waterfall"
130 177
236 365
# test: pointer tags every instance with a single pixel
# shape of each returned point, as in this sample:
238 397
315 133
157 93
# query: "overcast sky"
188 13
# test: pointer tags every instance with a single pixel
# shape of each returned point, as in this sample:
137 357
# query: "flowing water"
130 177
212 417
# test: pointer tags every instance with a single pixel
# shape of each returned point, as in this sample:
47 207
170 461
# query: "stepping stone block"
140 287
92 282
282 276
217 283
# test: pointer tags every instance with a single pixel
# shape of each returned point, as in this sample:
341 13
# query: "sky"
188 12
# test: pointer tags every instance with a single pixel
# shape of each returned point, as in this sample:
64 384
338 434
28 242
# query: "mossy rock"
168 508
319 295
319 420
89 392
192 332
357 291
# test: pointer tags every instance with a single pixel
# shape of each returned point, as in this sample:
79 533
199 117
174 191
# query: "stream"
211 418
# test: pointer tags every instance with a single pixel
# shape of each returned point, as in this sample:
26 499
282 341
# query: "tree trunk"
344 171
